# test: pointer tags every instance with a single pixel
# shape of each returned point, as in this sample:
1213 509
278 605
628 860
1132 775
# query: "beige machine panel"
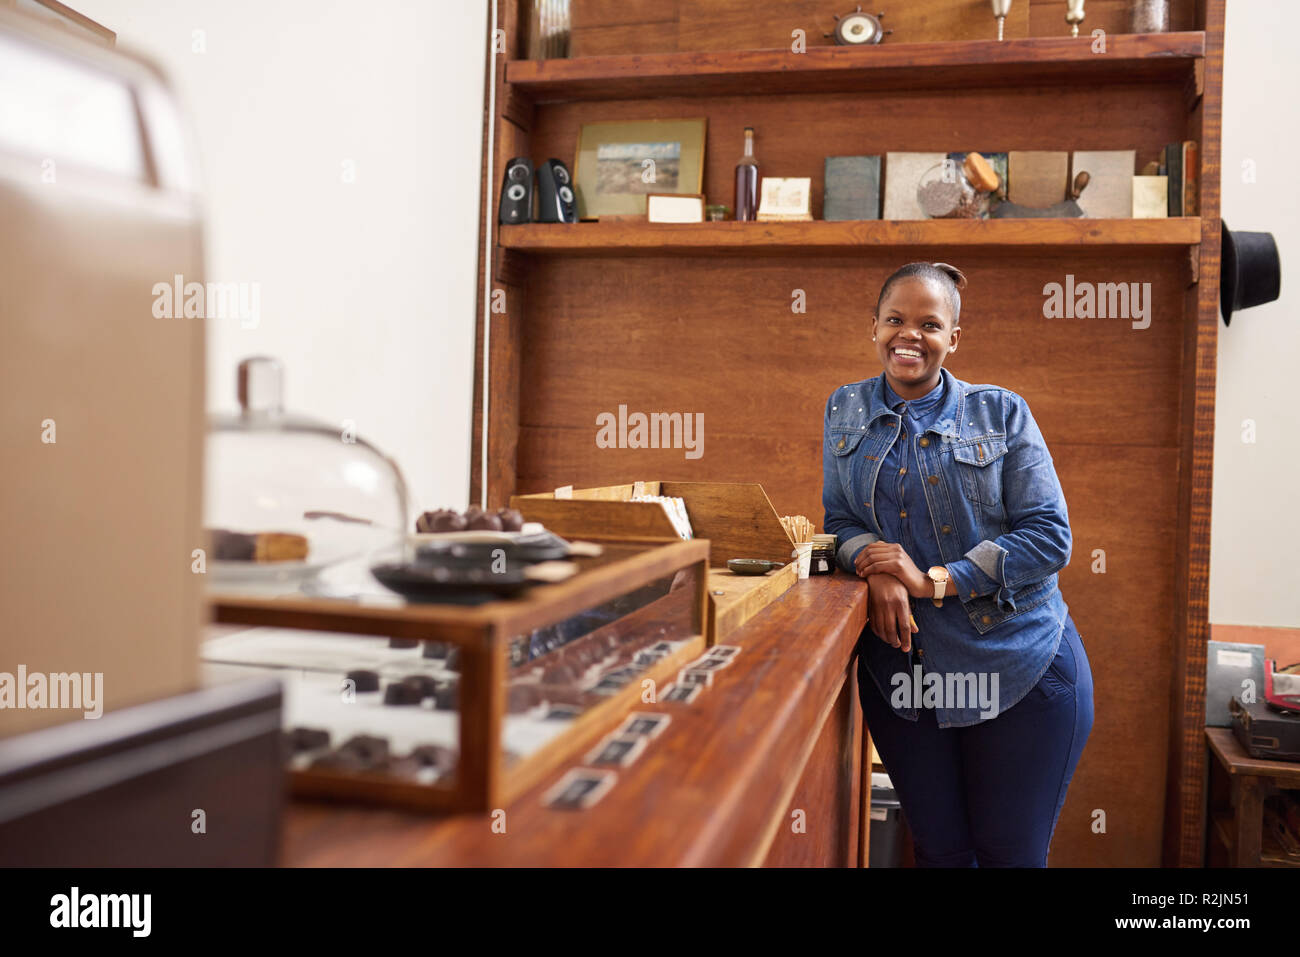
101 401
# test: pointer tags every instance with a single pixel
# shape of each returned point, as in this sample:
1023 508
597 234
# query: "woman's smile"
907 355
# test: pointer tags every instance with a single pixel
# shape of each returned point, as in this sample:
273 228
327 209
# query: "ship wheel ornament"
858 29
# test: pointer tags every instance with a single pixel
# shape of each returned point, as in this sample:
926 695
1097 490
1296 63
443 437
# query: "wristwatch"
939 575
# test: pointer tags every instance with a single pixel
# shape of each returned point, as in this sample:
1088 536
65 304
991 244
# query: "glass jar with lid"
287 496
952 190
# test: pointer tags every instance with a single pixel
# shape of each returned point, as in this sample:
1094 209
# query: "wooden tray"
737 519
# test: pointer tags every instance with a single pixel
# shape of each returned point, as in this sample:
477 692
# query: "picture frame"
675 207
613 160
785 198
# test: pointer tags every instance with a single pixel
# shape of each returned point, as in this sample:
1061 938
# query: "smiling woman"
981 728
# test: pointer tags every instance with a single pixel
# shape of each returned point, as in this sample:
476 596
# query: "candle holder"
1074 15
1000 10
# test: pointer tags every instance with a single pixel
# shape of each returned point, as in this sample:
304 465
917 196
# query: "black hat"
1252 272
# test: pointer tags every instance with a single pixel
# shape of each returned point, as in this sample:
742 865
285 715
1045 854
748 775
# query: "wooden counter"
779 732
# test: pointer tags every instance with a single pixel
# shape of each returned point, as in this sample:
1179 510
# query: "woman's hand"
888 558
889 613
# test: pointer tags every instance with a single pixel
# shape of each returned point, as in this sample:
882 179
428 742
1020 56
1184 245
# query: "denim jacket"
996 518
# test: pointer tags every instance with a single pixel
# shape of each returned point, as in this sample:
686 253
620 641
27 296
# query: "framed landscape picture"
619 164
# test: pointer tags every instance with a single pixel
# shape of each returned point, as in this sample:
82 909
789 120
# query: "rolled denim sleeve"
1039 542
840 518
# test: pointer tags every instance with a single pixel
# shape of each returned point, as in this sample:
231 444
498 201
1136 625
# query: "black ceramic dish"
752 566
469 572
461 586
544 547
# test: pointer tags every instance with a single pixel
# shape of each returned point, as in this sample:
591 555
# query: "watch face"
938 573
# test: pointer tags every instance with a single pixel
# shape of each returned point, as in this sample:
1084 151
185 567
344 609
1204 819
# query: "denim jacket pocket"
985 615
981 478
842 441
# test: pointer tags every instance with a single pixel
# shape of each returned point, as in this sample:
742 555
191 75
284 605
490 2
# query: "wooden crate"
737 518
482 779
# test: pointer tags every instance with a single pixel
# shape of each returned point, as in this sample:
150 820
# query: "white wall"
1254 572
367 288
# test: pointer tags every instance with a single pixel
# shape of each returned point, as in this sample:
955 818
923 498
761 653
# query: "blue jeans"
987 795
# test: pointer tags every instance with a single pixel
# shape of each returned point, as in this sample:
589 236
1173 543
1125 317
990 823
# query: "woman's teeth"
907 355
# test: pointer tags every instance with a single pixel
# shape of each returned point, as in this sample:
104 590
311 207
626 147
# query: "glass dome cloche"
287 496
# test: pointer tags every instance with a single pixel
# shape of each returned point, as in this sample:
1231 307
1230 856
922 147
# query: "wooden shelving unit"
912 66
630 238
699 316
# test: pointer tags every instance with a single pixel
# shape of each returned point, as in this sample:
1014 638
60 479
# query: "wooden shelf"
643 238
1141 57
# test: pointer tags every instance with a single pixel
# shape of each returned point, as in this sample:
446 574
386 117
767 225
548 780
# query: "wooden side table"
1238 785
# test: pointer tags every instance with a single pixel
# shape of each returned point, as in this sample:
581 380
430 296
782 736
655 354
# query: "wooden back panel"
1124 410
652 26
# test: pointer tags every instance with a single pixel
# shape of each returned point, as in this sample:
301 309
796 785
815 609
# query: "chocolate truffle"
435 756
484 521
447 696
426 686
401 693
364 680
306 739
448 522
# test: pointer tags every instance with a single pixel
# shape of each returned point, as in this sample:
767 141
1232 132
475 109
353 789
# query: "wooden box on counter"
737 518
655 591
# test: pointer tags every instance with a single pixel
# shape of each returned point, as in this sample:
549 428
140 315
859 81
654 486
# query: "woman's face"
914 331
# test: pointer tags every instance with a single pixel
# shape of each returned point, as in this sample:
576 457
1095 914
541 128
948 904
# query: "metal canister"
1148 16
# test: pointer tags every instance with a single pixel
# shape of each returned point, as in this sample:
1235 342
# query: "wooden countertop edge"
705 793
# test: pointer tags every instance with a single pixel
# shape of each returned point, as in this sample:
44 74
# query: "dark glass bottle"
747 180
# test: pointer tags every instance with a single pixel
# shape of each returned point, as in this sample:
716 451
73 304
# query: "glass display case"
288 497
441 706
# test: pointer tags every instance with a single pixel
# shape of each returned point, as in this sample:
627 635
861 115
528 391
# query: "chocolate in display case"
451 706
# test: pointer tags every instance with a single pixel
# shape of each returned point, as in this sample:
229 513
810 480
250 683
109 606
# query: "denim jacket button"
925 441
987 620
946 529
840 445
934 480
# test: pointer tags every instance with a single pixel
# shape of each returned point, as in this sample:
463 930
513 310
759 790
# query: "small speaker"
555 200
517 192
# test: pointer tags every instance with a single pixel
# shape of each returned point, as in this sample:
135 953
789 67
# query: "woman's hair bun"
956 275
